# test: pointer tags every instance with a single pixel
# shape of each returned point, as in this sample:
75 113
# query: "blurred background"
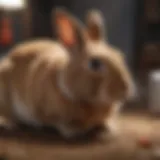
131 25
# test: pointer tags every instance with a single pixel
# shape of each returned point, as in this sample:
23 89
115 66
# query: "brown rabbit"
73 84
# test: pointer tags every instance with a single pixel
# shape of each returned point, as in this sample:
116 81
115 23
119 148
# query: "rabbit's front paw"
106 132
113 127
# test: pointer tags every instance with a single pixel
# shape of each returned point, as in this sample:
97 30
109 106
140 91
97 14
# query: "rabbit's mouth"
101 97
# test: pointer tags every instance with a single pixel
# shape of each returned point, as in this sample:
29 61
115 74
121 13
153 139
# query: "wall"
119 15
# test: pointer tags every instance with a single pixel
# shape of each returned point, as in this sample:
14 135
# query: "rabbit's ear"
68 29
95 25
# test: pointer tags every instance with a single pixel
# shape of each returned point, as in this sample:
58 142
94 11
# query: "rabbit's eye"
95 64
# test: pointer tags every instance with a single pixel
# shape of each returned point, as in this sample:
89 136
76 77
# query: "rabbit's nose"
95 64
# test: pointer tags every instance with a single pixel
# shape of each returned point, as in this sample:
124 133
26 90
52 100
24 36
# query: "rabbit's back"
33 67
30 49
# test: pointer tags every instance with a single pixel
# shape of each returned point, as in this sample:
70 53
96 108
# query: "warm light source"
12 4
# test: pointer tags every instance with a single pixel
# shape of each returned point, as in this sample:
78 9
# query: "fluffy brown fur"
44 82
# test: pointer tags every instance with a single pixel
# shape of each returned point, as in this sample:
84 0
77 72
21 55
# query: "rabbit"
74 83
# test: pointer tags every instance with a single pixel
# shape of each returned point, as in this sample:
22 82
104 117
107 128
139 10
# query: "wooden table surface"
31 145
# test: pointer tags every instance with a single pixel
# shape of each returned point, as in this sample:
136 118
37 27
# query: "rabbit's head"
96 71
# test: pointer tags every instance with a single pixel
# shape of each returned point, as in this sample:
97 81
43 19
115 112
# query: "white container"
154 91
